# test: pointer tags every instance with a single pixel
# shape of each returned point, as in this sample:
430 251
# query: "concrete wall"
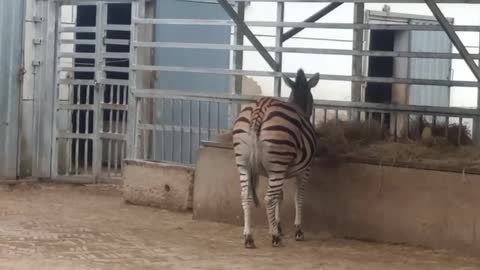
161 185
387 204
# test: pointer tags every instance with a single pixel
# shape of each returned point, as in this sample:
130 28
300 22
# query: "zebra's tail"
253 167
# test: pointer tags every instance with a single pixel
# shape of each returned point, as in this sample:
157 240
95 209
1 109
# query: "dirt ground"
90 227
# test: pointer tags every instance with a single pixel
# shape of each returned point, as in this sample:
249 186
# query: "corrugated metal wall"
168 144
11 47
435 69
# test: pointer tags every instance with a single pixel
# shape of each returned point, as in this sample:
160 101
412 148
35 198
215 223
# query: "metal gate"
92 67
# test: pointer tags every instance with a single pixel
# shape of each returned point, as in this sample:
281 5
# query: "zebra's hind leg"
275 185
247 202
302 181
277 213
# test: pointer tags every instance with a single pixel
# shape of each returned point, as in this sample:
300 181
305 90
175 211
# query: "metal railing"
160 131
163 135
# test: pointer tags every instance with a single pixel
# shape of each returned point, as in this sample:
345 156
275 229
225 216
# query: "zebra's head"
301 94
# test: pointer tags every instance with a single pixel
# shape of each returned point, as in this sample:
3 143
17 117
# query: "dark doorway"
82 120
380 40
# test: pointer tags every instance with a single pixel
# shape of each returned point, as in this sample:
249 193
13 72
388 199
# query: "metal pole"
476 120
453 38
277 81
241 26
358 17
238 55
315 17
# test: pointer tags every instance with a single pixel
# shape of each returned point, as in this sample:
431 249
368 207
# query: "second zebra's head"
301 94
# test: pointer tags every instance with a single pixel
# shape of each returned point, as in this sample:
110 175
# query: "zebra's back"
277 134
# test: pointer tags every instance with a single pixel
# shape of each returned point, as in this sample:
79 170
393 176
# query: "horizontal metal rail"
210 46
346 26
322 76
328 104
363 1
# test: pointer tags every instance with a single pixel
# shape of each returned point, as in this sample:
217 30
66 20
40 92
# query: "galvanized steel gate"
92 66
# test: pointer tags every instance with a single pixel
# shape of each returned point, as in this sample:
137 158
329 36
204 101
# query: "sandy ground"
90 227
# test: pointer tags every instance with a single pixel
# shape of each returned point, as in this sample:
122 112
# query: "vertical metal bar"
277 81
238 55
181 131
336 115
110 114
460 123
476 120
87 118
115 156
145 130
70 129
77 132
237 61
382 120
116 113
190 154
358 18
209 103
395 126
138 11
162 121
447 122
172 125
154 141
199 122
56 95
218 118
325 111
408 125
110 130
101 21
369 122
124 121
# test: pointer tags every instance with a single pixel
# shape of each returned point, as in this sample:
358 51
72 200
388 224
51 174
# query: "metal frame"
241 29
44 112
99 138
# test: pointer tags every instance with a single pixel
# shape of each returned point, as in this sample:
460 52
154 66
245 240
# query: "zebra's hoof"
249 243
280 232
299 235
276 241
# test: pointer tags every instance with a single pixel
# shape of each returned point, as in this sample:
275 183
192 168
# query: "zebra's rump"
282 135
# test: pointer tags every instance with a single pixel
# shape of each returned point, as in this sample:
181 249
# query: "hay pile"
342 139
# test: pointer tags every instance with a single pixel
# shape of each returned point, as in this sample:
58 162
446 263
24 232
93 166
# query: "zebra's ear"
314 80
288 81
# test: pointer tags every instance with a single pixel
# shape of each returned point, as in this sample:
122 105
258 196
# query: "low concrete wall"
162 185
387 204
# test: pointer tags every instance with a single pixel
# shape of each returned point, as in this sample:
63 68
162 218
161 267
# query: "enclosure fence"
170 124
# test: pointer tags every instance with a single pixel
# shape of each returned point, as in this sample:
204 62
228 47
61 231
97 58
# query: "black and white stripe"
275 139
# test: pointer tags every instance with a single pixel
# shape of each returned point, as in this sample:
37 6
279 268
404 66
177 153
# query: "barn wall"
387 204
11 64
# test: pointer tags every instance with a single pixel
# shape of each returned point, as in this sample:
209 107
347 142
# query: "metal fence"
170 124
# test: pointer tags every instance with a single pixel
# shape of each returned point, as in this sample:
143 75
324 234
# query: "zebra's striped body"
274 139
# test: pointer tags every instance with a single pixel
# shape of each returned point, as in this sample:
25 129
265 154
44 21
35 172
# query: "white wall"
341 65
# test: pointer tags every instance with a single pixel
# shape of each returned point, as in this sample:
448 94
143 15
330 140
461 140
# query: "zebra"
275 139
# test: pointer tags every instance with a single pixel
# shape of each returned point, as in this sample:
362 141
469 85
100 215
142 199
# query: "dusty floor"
63 227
